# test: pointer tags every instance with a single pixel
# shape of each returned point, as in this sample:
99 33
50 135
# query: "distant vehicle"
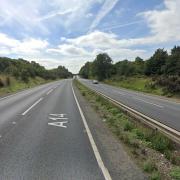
95 82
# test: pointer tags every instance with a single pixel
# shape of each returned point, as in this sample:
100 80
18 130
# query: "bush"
171 83
155 176
150 85
161 143
8 82
128 126
139 134
175 173
149 166
1 83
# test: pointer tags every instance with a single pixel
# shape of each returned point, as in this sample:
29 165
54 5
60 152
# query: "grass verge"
12 85
142 84
154 152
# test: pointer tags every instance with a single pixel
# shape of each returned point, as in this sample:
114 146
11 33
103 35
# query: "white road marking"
58 115
57 118
92 142
148 102
58 124
49 91
25 112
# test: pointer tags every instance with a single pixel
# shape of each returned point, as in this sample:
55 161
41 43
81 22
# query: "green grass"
149 166
143 84
17 85
155 176
175 173
135 135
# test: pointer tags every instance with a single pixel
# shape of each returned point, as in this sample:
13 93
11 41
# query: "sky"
71 32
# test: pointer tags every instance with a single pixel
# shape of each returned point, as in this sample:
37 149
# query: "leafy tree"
102 66
172 66
86 70
24 70
125 68
155 65
139 65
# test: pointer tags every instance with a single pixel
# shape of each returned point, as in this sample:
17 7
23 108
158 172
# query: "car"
95 82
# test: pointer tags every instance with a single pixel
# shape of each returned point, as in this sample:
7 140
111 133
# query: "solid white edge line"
92 142
25 112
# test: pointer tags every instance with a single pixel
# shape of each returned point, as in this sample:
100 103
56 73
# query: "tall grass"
9 84
143 84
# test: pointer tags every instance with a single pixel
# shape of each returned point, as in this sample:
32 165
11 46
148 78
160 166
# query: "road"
165 111
42 136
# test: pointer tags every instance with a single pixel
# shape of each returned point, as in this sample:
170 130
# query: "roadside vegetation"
137 83
18 74
9 84
160 74
155 153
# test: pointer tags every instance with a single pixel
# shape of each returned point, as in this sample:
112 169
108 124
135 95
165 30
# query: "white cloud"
98 39
30 46
7 41
34 14
22 14
57 13
21 47
95 39
105 9
164 24
69 50
121 25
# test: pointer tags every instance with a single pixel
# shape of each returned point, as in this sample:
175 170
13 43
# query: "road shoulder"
118 162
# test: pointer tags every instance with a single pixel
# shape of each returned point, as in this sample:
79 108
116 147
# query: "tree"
102 66
86 70
172 66
125 68
24 70
155 65
139 65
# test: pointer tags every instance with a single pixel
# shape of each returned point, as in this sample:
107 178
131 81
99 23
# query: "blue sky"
69 33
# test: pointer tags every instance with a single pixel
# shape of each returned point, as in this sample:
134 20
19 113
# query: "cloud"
30 15
164 24
69 50
103 40
7 41
30 46
96 39
121 25
21 47
105 9
164 27
57 13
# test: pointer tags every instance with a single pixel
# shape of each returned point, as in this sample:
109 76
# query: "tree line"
164 68
24 70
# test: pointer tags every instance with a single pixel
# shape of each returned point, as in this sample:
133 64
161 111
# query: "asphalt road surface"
162 110
42 136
